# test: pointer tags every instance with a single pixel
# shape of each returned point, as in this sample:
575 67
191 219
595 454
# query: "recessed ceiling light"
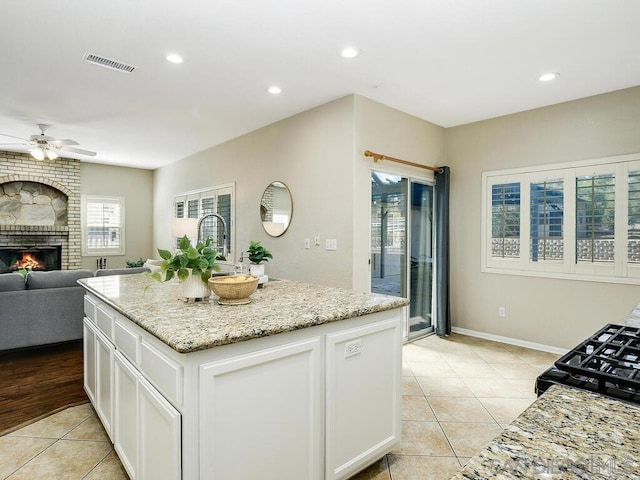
547 77
174 58
350 52
274 90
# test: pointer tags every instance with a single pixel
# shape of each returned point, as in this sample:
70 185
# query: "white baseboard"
510 341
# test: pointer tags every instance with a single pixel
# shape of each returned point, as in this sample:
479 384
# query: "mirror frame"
263 209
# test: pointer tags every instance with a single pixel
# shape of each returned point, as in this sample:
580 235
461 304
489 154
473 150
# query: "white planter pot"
257 270
194 287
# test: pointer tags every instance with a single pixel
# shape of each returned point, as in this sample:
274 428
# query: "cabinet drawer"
127 341
90 308
104 320
163 372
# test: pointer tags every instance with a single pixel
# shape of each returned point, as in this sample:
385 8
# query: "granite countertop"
567 433
281 306
633 319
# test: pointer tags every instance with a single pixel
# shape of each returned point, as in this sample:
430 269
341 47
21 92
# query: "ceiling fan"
45 145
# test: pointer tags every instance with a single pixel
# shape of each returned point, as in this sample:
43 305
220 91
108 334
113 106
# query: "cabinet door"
104 382
253 407
125 427
89 358
364 368
160 434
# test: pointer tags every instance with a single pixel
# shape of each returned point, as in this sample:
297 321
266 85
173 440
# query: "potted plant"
192 265
257 254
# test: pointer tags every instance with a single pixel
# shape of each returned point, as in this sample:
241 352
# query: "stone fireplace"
40 207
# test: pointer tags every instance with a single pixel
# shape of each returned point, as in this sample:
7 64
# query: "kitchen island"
567 433
303 382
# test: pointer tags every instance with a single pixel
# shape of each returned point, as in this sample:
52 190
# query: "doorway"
402 246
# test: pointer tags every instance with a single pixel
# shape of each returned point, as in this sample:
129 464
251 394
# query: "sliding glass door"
402 246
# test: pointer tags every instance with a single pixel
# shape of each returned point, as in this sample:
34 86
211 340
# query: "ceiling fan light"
37 153
51 155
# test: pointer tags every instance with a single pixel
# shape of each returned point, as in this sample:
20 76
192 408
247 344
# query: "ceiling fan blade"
13 136
79 150
65 142
7 144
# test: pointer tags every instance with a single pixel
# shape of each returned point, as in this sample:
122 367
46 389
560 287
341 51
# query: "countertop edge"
181 346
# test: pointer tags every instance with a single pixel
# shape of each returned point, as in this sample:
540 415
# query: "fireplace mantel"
63 175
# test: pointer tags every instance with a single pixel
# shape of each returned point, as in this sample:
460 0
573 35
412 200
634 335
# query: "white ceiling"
450 62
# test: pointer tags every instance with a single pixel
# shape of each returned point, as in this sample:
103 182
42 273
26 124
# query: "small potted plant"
192 265
257 254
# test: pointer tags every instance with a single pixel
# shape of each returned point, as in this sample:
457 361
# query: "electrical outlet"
317 239
331 244
352 348
307 243
502 312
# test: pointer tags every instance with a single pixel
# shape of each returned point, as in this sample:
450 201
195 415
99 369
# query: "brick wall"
62 174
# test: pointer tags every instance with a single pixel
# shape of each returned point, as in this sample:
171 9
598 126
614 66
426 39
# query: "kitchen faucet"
224 230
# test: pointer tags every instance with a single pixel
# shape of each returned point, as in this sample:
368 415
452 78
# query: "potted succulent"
192 265
257 254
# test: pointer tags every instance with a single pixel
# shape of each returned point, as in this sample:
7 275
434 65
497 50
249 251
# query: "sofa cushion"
56 278
11 282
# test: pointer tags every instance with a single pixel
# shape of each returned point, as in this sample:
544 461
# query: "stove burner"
607 362
605 357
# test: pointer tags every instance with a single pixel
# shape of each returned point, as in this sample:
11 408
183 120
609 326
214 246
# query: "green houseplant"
257 254
192 265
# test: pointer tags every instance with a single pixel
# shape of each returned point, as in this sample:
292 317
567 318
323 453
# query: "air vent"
107 63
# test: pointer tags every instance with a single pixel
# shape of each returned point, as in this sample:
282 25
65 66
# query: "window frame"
620 270
195 197
87 251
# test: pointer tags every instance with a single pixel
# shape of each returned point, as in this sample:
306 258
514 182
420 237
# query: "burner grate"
609 357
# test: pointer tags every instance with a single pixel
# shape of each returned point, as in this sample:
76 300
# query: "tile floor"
458 394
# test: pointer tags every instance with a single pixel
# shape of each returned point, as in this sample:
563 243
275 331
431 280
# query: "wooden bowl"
234 289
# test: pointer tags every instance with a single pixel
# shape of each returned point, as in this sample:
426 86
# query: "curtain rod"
379 156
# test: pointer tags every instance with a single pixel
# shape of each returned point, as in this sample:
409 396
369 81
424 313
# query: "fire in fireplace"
31 258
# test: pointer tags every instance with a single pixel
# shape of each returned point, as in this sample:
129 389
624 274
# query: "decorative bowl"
234 289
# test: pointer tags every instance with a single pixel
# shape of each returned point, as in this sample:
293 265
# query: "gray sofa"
46 308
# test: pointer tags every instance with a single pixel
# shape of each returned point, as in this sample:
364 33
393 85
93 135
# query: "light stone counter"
281 306
633 319
567 433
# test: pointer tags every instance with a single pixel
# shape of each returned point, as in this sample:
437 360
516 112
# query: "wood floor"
39 381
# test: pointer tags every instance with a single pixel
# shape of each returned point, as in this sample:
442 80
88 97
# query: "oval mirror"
276 209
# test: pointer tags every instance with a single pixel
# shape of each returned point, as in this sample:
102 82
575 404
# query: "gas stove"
608 362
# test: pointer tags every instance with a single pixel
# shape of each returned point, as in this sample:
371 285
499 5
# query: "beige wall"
551 312
319 155
136 186
312 154
385 130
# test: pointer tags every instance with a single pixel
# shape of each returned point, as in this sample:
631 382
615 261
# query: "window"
505 220
102 225
217 200
578 220
546 220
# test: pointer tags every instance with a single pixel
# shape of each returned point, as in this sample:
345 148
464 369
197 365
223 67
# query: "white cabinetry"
256 407
104 381
147 428
144 427
125 441
315 403
363 381
89 352
98 377
159 444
